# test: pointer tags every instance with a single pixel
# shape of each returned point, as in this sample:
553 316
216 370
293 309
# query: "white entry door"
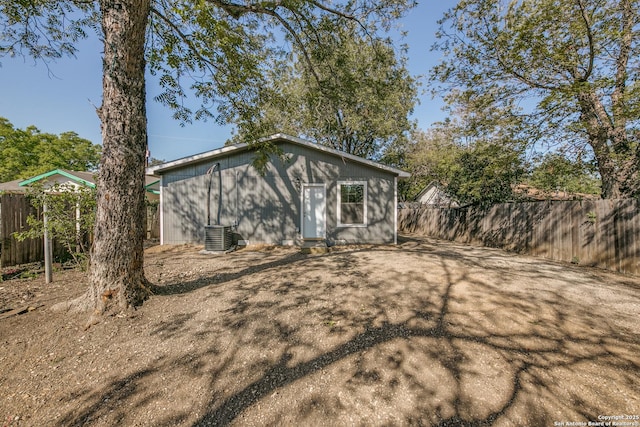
313 211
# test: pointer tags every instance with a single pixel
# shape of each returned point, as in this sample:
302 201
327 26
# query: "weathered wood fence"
599 233
14 210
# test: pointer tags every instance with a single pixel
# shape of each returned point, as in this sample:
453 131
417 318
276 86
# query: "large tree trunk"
617 162
116 275
604 138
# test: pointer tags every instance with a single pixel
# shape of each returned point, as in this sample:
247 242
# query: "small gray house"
315 193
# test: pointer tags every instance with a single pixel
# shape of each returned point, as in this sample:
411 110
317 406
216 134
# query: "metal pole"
48 274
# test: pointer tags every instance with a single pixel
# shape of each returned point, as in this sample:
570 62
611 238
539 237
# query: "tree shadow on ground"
181 287
313 340
524 356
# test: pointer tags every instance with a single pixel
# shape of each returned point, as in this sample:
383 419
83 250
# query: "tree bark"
116 275
600 127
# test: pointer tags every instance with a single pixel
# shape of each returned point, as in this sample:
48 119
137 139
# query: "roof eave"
357 159
159 169
57 172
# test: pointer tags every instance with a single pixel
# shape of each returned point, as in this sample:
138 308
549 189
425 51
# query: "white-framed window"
352 204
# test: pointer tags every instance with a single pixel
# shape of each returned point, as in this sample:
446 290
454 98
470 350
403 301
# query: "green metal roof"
82 178
62 172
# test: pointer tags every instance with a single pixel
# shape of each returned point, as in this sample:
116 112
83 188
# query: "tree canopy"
237 57
349 93
556 172
477 172
567 69
28 152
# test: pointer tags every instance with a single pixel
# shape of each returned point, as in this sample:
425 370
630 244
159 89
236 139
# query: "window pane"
352 204
352 193
352 213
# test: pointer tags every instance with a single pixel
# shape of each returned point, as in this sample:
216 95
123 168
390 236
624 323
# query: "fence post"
47 247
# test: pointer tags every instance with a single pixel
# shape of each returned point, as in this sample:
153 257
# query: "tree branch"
617 97
333 11
184 38
587 26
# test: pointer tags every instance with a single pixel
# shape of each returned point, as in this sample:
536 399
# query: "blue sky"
63 97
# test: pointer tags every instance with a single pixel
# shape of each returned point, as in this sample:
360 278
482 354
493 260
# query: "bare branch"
507 67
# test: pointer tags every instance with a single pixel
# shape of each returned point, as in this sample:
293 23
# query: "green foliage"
478 172
566 69
70 218
431 156
231 56
485 173
155 162
556 172
44 29
290 67
25 153
345 92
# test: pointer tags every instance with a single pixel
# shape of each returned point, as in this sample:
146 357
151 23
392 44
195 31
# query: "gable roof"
87 179
279 137
83 178
152 184
426 189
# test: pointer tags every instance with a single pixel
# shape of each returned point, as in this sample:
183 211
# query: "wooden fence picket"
600 233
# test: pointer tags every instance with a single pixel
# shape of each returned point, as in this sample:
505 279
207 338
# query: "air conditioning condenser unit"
217 238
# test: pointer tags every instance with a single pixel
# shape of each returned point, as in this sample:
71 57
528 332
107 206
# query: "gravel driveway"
423 333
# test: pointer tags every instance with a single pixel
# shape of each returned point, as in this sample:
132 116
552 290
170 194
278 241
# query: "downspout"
219 194
161 207
237 202
395 210
210 173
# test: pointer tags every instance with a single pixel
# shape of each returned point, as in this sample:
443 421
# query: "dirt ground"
423 333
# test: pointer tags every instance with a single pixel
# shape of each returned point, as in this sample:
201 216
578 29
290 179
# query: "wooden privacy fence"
599 233
14 210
